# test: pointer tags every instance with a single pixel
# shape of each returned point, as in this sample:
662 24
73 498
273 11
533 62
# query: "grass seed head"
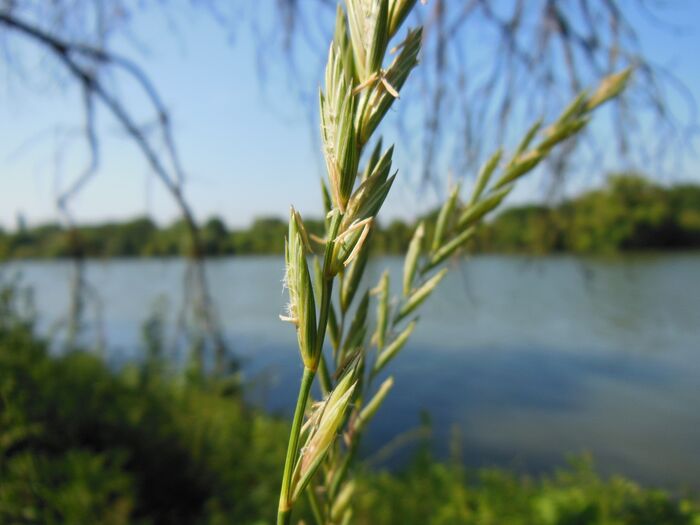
398 11
349 244
328 418
394 347
609 88
301 309
367 413
475 212
351 279
485 175
337 127
382 290
382 96
445 218
450 248
421 294
342 501
415 249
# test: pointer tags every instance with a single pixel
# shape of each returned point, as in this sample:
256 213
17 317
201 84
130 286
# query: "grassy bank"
82 443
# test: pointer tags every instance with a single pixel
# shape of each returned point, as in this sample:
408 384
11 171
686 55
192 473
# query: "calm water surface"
531 359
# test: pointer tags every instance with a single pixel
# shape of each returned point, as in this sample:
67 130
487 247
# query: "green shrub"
80 443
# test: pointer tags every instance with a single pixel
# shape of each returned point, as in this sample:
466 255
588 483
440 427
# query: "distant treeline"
629 213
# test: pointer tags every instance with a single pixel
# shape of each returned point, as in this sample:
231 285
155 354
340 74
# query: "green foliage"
438 494
80 443
72 487
629 213
632 214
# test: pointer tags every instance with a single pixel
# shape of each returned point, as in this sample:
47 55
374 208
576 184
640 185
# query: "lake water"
531 359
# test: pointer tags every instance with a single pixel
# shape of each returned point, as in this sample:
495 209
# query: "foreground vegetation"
81 443
629 213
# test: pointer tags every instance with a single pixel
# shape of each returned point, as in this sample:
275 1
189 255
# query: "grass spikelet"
394 347
329 416
444 218
421 294
411 261
301 309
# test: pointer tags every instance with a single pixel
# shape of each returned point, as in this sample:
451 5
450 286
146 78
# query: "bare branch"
489 62
84 62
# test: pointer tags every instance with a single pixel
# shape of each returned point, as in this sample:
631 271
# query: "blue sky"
247 152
